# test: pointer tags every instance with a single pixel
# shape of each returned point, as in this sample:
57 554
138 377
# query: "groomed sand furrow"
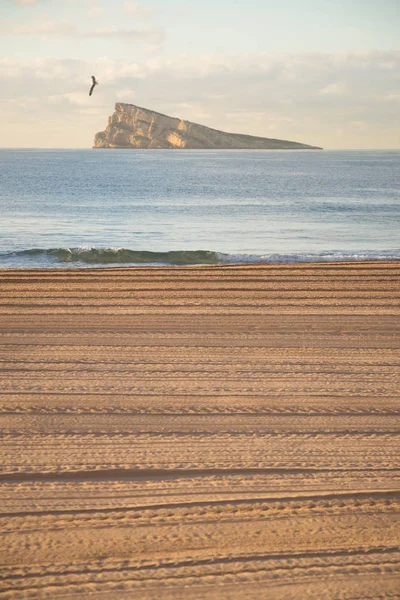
354 557
225 433
123 579
379 562
208 297
143 491
138 366
216 388
206 411
142 473
114 472
218 404
142 373
111 339
222 440
357 561
184 424
198 355
252 361
384 501
366 308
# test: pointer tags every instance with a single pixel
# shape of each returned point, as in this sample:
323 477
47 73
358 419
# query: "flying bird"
93 84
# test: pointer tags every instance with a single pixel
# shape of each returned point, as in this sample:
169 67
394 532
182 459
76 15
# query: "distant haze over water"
80 208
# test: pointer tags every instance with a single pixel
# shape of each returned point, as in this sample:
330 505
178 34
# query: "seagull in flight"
94 82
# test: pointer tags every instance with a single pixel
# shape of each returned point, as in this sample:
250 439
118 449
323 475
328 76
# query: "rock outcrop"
134 127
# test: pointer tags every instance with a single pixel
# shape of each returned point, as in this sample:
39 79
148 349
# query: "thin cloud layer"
25 2
137 10
69 30
331 100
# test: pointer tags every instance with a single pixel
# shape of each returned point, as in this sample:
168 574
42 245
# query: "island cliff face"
134 127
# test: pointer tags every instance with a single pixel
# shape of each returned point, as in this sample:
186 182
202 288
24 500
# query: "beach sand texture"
200 433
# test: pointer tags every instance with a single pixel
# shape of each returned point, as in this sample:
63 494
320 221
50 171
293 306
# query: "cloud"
44 28
25 2
153 36
136 10
125 95
64 29
333 89
95 9
332 100
359 124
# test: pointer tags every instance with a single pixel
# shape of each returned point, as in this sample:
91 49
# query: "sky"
322 72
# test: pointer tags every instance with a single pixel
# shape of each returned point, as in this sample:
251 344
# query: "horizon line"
197 149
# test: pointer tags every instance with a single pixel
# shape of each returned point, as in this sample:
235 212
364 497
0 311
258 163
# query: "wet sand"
200 433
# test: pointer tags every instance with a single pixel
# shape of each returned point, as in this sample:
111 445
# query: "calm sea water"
96 207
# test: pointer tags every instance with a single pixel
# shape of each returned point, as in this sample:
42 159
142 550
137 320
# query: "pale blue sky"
244 26
252 66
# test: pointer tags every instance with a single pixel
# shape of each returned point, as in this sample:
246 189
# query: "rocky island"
134 127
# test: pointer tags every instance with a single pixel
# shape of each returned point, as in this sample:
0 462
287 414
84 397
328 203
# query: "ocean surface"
85 208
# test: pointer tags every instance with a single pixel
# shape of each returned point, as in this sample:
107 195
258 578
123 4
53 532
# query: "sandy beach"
200 433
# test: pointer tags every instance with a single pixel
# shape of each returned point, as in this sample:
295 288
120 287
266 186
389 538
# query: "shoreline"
237 266
215 431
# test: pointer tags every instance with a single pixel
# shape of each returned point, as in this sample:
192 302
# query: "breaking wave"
52 257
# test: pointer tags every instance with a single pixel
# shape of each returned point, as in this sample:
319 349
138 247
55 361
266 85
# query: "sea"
105 208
